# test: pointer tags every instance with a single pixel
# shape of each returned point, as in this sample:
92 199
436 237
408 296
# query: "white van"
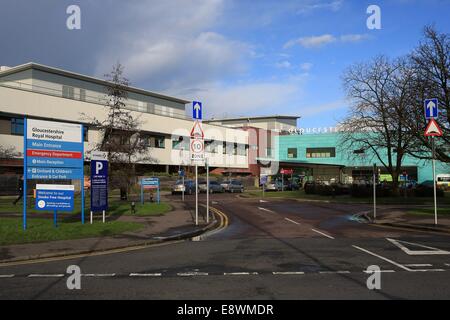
443 181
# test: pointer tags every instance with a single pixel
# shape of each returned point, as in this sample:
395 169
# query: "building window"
17 126
211 146
85 134
292 153
180 143
68 92
314 153
242 150
160 142
82 95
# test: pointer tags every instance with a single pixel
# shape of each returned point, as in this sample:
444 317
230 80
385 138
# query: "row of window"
182 143
313 153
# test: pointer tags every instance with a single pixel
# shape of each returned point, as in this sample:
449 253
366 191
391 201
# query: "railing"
100 100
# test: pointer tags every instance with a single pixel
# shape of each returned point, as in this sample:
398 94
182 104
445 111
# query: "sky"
239 57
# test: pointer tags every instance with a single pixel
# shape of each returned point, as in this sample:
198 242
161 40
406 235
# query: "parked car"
214 187
443 181
188 187
233 186
273 186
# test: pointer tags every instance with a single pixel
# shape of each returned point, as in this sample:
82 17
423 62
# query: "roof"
254 118
65 73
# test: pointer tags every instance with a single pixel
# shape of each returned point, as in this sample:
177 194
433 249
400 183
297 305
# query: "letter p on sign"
98 167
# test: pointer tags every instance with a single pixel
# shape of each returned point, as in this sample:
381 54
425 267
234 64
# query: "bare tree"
431 65
9 152
120 133
378 92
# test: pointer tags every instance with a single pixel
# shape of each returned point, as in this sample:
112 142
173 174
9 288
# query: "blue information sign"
150 183
99 185
431 109
48 199
197 110
53 151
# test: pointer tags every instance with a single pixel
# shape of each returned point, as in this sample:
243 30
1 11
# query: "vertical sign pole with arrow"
433 130
197 115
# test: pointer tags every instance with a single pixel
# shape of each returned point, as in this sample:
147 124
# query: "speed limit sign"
197 150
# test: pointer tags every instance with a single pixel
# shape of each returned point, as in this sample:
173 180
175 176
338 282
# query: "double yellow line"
224 221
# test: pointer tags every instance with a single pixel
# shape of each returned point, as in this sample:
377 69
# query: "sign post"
433 130
52 151
207 191
197 147
99 184
150 184
374 191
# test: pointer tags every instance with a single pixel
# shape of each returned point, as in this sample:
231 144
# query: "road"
271 249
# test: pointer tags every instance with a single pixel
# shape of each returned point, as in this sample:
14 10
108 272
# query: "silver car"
214 187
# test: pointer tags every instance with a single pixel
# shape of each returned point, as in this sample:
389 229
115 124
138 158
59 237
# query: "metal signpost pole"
207 191
82 174
374 192
196 195
142 193
55 218
434 181
25 174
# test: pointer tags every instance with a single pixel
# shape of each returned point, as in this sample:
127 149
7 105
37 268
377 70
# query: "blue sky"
240 57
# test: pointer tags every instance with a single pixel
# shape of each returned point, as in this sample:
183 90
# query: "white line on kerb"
324 234
295 222
241 274
45 276
288 273
381 271
418 265
6 276
383 258
145 274
334 272
192 274
266 210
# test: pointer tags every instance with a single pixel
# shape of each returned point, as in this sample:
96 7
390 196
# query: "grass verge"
42 230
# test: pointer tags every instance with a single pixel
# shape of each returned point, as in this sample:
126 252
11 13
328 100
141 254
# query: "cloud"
283 64
173 45
354 37
306 66
333 6
311 42
320 41
323 108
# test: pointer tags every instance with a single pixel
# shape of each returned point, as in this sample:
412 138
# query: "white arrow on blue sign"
197 110
431 109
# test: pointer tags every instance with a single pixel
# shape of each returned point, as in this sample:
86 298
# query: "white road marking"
381 271
287 273
383 258
418 265
2 276
266 210
45 275
263 201
99 275
287 219
447 264
241 274
430 251
324 234
145 274
191 274
214 202
334 272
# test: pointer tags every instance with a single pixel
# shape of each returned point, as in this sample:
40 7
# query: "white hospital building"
40 92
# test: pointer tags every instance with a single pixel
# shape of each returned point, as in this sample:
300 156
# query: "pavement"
271 249
176 224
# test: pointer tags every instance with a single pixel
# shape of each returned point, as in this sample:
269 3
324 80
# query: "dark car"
214 187
234 186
